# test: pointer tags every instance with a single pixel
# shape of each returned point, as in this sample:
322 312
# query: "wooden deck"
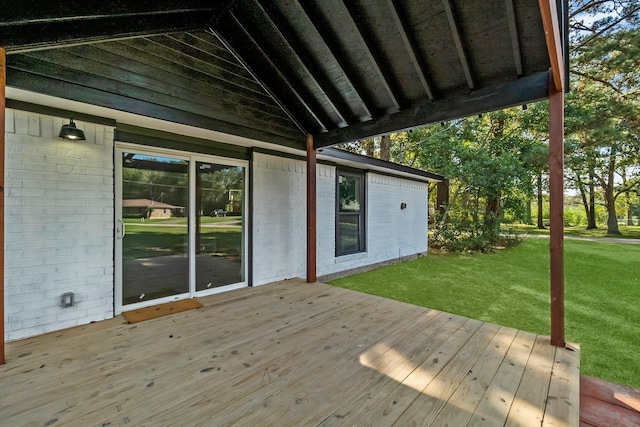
604 404
291 354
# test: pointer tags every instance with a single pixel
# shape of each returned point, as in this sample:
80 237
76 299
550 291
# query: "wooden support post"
3 83
311 210
556 199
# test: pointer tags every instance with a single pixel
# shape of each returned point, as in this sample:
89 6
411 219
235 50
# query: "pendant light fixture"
71 132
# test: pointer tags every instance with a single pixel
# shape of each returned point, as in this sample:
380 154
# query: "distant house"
145 208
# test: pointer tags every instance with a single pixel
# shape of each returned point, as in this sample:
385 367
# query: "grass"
628 232
511 287
168 236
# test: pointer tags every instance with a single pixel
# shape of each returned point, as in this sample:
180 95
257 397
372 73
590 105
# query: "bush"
463 236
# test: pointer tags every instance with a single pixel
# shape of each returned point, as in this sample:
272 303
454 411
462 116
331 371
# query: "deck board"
290 353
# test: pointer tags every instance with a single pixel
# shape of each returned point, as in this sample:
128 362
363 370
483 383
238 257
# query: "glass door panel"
155 231
219 225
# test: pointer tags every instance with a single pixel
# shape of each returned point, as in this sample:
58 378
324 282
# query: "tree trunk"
385 147
612 218
528 219
610 199
583 196
442 197
629 213
369 147
540 210
491 214
591 213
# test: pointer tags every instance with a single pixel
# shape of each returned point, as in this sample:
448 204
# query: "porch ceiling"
279 69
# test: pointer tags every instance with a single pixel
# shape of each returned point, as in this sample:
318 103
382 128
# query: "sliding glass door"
179 226
219 225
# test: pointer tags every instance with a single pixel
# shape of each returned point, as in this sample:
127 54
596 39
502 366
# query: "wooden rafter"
322 27
513 31
308 65
52 25
552 33
526 89
399 19
280 73
374 57
457 38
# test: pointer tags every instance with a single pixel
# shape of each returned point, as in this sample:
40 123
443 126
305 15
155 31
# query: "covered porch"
292 353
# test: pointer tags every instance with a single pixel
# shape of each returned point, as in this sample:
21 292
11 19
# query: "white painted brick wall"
391 232
279 235
279 219
58 225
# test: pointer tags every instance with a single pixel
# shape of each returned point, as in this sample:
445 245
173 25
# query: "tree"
602 113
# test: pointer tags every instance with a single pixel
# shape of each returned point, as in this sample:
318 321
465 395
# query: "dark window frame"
361 214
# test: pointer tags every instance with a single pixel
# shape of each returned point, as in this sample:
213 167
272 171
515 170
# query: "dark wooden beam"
102 70
311 211
54 24
255 60
517 92
399 18
3 99
556 211
307 62
553 38
513 31
278 67
94 96
457 38
145 90
332 41
374 56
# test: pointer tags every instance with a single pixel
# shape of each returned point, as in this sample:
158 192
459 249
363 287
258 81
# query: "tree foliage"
497 163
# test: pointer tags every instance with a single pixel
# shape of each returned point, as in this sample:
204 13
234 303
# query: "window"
350 209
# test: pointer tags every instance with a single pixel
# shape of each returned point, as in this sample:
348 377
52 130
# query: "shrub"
464 236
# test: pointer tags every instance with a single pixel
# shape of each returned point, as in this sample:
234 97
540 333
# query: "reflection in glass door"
180 226
154 227
219 225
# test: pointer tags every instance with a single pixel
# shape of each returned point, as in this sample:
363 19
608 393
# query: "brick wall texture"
279 234
59 200
58 225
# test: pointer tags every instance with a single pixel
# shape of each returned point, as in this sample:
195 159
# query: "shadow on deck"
291 353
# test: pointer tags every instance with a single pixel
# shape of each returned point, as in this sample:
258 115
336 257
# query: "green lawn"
511 287
628 232
168 236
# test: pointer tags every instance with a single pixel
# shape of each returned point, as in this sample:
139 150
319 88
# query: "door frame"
119 227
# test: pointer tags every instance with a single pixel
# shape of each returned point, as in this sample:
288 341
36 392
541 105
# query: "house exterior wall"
279 218
279 235
58 225
391 232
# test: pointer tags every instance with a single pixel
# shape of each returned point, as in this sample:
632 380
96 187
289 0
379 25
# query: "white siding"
58 225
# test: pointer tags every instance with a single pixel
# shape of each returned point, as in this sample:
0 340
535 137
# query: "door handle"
121 230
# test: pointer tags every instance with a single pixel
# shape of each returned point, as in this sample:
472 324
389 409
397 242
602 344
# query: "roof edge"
380 164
